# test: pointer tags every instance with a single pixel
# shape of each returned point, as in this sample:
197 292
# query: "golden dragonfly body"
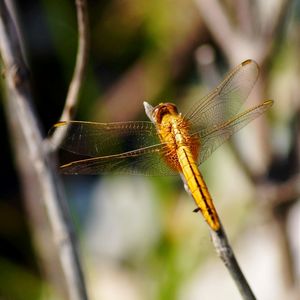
171 143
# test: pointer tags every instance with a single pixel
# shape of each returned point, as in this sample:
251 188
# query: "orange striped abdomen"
198 187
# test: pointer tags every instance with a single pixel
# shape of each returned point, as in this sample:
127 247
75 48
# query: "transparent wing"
226 100
102 139
213 137
144 161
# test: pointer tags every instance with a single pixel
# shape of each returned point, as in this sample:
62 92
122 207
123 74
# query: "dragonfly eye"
163 109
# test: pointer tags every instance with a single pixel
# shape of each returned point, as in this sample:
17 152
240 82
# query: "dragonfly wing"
144 161
213 137
102 139
226 99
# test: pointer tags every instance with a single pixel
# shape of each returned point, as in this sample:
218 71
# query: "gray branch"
226 254
240 40
42 187
79 72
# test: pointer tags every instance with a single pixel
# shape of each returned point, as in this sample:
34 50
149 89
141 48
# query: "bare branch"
275 25
244 14
240 44
79 72
276 22
226 254
41 185
274 194
216 19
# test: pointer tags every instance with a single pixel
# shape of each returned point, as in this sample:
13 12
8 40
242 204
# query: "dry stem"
41 186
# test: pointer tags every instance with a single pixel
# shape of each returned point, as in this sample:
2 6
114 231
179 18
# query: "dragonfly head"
163 109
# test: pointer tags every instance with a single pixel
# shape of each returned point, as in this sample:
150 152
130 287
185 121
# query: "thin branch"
218 23
238 43
277 21
271 34
275 194
244 12
79 71
226 254
288 272
41 185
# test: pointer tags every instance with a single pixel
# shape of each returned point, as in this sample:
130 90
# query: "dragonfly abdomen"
198 187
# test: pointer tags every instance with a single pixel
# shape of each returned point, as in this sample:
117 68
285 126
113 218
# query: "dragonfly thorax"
174 132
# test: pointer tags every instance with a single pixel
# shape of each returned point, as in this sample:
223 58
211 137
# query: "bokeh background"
138 236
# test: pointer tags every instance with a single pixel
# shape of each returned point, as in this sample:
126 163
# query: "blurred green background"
138 236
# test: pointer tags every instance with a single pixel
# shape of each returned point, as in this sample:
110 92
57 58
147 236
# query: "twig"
79 71
244 12
215 18
275 194
41 185
276 24
239 42
280 217
273 32
225 252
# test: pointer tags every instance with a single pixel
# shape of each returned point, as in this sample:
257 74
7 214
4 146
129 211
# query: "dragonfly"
171 143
